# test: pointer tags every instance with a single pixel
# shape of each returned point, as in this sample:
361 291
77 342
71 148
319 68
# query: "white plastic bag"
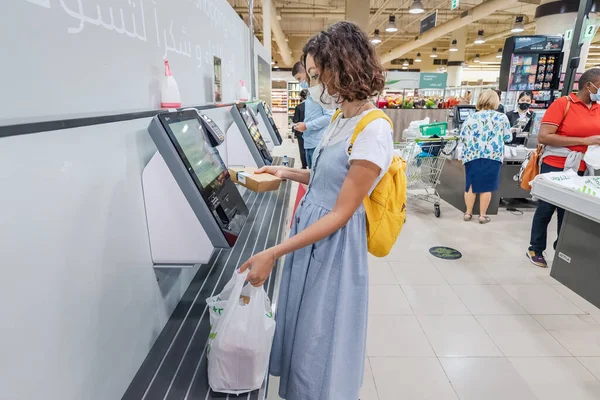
239 345
592 157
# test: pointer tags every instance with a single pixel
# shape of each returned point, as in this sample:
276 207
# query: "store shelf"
576 202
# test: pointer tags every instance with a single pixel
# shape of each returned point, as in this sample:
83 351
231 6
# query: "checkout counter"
576 259
452 179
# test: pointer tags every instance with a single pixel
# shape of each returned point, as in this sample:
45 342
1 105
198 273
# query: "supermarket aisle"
488 326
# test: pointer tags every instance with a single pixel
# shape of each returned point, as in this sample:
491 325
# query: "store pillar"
266 28
555 18
358 11
456 58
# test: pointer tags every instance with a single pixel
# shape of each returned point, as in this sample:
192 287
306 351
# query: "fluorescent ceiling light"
434 53
405 63
480 39
416 7
518 27
276 66
376 38
477 60
453 46
418 59
391 27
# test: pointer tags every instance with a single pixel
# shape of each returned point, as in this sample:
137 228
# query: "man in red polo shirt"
571 122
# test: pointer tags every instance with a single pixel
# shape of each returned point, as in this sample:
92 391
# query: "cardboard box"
256 182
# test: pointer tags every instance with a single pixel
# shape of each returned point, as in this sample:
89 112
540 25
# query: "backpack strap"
336 114
366 120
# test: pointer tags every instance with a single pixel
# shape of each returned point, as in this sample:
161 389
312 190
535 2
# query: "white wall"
474 75
64 57
80 303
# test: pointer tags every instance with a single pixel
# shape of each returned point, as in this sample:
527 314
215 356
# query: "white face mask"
329 102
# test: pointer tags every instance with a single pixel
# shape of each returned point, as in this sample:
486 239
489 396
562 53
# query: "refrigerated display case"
293 95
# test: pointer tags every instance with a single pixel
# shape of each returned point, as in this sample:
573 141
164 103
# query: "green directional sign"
589 31
569 35
433 80
454 4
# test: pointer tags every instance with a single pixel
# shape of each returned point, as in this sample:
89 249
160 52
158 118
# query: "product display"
259 183
533 63
293 98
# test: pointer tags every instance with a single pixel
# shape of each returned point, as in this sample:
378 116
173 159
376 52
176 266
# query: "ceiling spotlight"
416 7
404 68
272 62
418 59
434 53
405 64
276 66
499 55
518 27
480 39
376 38
453 46
391 27
477 59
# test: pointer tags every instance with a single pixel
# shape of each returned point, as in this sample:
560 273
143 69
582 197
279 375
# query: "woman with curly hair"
319 345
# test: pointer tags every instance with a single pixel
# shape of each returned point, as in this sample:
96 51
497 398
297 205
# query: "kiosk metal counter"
576 262
201 209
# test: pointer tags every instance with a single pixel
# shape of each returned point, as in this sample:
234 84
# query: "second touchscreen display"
203 158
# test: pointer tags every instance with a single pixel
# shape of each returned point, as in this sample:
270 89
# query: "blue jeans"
309 157
543 216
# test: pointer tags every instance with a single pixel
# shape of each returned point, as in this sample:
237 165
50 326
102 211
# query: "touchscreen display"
465 113
251 125
202 157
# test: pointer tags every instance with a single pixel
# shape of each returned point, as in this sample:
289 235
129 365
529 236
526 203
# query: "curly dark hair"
348 60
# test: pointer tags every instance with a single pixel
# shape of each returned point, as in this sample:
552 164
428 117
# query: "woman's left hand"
260 265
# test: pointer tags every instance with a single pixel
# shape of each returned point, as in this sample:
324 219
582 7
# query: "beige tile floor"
490 326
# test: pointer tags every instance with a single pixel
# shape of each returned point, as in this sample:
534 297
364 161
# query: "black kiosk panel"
264 109
242 115
201 174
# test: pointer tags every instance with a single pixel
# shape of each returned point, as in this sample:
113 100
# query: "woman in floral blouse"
483 136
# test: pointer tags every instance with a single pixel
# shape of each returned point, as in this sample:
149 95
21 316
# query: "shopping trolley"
425 158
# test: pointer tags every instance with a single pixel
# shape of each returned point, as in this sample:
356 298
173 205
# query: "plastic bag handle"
237 282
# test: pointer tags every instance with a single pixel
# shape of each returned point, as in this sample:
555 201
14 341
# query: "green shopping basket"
436 129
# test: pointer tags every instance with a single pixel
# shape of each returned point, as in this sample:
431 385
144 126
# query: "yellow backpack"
386 206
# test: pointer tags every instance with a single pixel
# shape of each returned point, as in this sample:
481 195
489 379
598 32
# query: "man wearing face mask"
316 118
570 125
521 116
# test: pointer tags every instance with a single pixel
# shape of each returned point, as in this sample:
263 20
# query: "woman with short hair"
483 136
320 339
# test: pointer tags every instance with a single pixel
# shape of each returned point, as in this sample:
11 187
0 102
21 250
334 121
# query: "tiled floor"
490 326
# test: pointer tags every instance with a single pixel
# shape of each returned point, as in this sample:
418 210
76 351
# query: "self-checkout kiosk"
244 145
192 206
266 123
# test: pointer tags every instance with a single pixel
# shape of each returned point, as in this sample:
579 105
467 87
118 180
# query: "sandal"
484 219
467 217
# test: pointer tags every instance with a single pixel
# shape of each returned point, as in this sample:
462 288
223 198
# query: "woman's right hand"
278 171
